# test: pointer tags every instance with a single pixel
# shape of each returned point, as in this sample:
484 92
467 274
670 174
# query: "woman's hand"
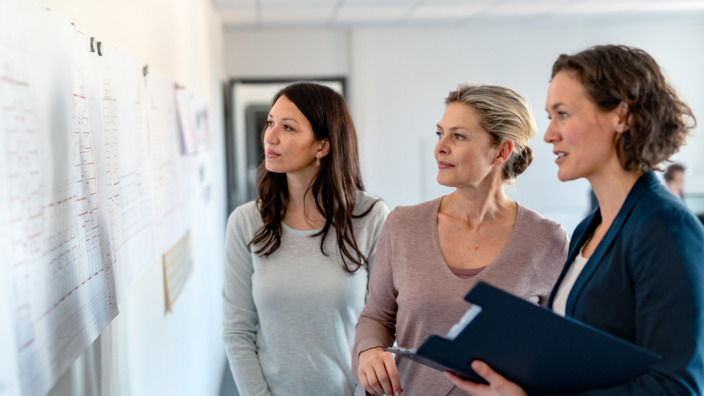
377 372
498 385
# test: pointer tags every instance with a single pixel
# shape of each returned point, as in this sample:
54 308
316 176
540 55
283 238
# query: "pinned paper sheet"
178 265
58 289
186 122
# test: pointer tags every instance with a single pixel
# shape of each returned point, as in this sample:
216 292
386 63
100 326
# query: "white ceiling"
307 13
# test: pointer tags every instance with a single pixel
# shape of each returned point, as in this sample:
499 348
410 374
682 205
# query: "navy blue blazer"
644 283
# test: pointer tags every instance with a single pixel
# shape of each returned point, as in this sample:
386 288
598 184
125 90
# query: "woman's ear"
623 118
505 150
324 148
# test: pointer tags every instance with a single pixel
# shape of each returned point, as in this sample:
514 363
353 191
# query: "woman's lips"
560 157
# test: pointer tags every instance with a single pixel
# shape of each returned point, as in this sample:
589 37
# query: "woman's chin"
445 183
564 176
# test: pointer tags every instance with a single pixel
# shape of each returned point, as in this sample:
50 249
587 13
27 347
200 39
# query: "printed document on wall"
57 253
165 153
127 181
9 377
8 364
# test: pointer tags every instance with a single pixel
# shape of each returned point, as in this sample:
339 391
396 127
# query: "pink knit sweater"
413 293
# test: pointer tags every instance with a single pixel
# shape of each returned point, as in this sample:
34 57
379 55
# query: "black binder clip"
92 48
100 48
145 70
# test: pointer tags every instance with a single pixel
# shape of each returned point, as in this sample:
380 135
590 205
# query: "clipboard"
531 346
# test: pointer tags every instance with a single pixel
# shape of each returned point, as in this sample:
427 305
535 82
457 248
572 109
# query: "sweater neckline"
294 231
436 241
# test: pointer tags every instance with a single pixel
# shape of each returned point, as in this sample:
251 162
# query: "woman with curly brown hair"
636 265
297 259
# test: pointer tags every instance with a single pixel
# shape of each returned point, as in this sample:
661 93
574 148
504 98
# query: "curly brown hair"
659 121
334 188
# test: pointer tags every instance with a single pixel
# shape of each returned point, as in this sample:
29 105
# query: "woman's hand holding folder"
498 385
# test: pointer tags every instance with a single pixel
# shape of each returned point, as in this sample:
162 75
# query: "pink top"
413 293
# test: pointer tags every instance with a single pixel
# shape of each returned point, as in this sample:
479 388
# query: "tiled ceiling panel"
290 13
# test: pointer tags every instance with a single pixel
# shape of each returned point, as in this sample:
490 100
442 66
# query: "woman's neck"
477 206
301 210
611 191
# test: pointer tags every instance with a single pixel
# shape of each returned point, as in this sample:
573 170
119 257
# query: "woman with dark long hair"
298 257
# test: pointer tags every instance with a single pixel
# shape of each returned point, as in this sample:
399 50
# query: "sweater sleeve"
377 322
556 255
241 321
381 212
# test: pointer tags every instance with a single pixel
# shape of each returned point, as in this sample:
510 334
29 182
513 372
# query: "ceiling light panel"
433 12
296 14
528 9
370 14
234 4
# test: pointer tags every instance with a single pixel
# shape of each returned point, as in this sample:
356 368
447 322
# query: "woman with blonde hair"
431 254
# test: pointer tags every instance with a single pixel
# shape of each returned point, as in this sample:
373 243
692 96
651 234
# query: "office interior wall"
145 351
399 76
290 53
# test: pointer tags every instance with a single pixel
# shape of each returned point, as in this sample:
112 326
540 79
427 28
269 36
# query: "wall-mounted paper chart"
93 189
126 180
56 247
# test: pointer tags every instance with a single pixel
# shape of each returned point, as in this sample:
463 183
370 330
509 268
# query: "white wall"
144 351
304 52
400 76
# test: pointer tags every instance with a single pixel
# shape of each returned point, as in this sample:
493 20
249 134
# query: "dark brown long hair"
334 187
659 121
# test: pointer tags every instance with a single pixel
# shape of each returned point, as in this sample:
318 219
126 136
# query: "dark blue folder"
533 347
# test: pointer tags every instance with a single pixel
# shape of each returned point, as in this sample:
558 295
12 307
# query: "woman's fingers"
378 372
467 386
392 376
498 385
373 383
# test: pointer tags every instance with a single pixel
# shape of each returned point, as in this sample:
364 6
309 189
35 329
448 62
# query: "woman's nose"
441 146
551 134
270 135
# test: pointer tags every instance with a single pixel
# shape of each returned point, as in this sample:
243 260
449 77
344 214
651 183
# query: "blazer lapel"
643 184
579 238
